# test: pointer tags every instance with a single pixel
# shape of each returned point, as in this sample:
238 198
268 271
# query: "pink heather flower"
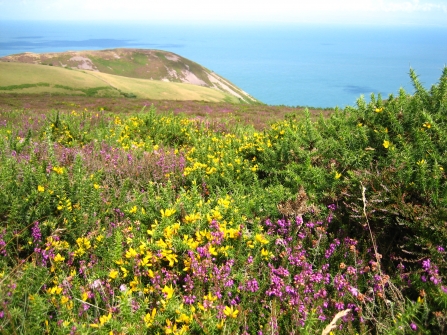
426 264
413 326
354 291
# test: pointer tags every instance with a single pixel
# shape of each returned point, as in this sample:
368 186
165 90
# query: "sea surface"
293 65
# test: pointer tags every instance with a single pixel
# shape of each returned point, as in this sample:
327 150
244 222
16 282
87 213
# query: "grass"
146 221
28 78
136 63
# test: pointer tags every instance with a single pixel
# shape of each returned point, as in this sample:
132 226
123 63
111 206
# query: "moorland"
138 215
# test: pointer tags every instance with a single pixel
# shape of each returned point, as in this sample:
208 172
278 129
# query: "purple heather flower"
189 299
354 291
2 244
252 285
413 326
36 233
426 264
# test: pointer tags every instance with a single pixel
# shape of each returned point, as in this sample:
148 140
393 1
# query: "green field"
30 78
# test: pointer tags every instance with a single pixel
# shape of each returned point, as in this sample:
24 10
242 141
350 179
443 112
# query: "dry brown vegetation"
257 115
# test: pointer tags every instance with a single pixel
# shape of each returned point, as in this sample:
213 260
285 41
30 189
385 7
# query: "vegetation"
150 223
32 78
160 67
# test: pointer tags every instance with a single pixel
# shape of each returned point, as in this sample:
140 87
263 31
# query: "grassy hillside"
137 63
32 78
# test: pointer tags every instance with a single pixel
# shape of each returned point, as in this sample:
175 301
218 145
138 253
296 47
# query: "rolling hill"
139 73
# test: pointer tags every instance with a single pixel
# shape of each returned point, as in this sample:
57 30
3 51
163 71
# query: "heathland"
133 216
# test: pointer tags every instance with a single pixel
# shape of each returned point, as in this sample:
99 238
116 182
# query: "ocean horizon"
289 64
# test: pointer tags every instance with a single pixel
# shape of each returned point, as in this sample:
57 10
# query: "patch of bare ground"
259 116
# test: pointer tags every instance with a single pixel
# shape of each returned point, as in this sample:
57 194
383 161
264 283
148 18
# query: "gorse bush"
147 223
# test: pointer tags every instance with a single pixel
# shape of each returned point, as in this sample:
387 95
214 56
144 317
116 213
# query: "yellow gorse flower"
131 253
261 239
386 144
58 170
113 274
149 317
169 291
104 318
167 212
231 312
40 188
421 162
58 258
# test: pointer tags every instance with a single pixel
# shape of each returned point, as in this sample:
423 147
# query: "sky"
366 12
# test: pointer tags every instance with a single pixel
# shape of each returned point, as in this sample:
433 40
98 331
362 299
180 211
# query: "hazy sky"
377 12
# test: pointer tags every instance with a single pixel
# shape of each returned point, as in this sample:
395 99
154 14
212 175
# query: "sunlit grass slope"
30 78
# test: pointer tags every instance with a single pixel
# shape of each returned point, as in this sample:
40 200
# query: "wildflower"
133 210
149 317
36 234
265 254
113 274
184 318
231 312
421 162
96 186
379 110
131 253
212 250
104 318
58 258
261 239
168 290
192 218
167 213
40 188
55 290
427 125
84 296
337 175
58 170
170 257
386 144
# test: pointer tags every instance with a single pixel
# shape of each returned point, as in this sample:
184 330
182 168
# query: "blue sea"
290 64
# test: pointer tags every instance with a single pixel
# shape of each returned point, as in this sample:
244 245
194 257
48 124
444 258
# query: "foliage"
154 223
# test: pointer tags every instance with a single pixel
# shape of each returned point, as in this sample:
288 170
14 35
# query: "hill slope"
145 64
30 78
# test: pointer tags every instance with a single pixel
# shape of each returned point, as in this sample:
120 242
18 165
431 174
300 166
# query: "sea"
279 64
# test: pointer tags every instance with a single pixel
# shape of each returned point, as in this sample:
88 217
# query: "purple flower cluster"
431 272
3 243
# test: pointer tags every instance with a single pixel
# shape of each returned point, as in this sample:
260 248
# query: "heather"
148 222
